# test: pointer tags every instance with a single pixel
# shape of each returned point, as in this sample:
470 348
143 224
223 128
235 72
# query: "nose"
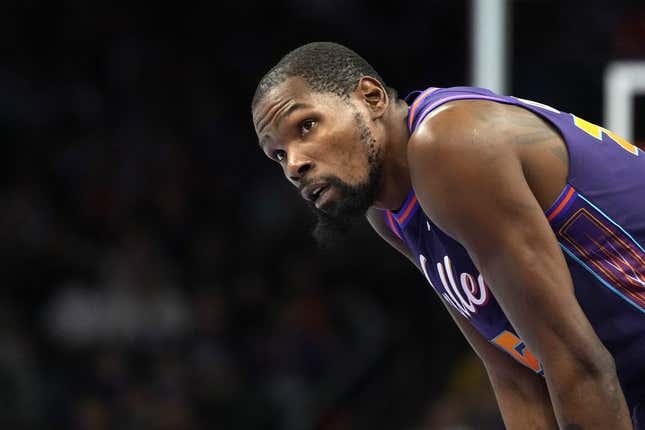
297 167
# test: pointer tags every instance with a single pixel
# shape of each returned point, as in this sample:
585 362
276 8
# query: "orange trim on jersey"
404 216
415 105
562 204
392 223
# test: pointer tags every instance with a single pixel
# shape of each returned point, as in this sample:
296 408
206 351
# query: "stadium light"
623 81
489 44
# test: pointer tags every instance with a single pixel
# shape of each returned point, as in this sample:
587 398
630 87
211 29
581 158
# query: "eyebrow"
284 115
294 107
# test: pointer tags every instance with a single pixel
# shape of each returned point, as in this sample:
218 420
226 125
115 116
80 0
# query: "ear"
373 94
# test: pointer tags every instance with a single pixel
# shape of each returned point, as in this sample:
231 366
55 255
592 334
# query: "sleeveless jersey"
598 219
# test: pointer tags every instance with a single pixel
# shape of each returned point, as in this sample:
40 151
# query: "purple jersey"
598 219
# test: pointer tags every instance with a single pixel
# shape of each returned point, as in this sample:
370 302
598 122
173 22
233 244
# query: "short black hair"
325 66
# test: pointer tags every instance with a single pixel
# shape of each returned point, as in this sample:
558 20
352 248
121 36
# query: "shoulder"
458 126
460 139
463 166
476 139
376 218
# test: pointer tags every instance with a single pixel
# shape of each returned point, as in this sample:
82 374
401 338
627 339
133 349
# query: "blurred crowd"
159 274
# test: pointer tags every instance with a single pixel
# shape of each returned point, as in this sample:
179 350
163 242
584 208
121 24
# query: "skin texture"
332 147
511 166
279 127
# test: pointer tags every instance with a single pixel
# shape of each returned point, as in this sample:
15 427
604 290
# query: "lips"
313 192
323 197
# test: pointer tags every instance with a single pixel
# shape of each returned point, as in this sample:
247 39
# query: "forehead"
293 90
293 86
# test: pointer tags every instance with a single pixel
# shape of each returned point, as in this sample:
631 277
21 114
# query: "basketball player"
528 222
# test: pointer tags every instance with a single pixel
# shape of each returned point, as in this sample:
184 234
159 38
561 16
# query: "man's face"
325 148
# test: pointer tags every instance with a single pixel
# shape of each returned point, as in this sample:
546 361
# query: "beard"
335 223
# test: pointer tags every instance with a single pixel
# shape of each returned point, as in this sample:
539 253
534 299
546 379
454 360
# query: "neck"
395 181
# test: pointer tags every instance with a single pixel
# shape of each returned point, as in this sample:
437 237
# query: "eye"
306 126
279 154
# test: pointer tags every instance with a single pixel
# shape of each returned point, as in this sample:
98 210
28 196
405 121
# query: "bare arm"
469 179
522 395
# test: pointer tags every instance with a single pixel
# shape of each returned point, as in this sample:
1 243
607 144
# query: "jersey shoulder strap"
428 100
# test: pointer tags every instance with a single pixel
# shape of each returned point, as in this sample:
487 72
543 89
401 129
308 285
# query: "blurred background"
157 270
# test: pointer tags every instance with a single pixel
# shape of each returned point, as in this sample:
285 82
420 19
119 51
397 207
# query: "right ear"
371 92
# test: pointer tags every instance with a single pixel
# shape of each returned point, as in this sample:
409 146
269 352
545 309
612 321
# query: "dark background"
158 272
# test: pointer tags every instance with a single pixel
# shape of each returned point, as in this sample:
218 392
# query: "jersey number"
596 131
592 130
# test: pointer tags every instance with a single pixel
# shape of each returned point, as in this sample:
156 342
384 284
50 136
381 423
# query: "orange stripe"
562 204
415 105
408 210
392 225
